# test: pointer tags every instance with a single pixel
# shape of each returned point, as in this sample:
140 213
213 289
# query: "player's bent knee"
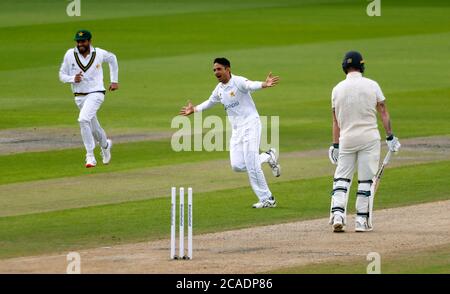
238 168
252 169
84 125
83 120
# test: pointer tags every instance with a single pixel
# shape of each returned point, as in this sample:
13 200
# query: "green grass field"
165 50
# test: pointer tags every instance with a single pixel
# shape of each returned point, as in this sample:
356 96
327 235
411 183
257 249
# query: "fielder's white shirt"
236 99
354 101
91 67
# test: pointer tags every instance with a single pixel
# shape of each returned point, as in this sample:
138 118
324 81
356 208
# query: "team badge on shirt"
232 94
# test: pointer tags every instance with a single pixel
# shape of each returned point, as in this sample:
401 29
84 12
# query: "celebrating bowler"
234 92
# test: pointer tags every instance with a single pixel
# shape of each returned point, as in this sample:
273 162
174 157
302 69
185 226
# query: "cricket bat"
375 183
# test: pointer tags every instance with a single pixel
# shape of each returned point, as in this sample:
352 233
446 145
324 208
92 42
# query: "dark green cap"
82 35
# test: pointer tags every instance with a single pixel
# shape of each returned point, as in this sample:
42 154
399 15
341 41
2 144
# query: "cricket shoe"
338 224
268 203
361 224
90 161
273 162
106 152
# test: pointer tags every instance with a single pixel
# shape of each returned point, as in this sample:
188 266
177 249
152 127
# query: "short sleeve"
240 84
333 97
379 93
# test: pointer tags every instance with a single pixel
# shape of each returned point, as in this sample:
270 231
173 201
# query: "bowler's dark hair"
223 61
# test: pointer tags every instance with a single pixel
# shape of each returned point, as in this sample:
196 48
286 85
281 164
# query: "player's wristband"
336 145
389 138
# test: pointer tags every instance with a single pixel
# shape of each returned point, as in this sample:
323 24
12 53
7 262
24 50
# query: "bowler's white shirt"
354 101
93 75
236 99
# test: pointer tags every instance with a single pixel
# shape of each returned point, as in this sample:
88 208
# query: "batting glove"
393 143
333 153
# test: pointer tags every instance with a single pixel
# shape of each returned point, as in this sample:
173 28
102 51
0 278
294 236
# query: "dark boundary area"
149 283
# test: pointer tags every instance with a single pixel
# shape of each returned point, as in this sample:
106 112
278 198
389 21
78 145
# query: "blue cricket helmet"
353 59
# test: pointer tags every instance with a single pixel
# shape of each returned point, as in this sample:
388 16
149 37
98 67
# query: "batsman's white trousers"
91 131
366 159
245 157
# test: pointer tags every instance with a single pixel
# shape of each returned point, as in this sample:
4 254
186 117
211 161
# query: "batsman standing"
234 92
82 68
356 140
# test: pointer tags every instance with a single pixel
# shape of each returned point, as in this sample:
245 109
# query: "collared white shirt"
236 99
355 104
90 66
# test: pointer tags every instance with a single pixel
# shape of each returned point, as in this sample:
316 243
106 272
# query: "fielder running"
356 140
234 92
82 68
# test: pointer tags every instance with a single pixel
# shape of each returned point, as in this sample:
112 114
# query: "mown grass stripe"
214 211
152 182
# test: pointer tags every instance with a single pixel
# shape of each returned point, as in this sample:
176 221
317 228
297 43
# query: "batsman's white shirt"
236 99
91 67
355 103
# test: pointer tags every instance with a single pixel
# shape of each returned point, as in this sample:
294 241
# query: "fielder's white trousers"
91 131
365 159
245 157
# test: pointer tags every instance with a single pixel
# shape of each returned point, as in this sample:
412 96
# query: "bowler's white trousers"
91 131
245 157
